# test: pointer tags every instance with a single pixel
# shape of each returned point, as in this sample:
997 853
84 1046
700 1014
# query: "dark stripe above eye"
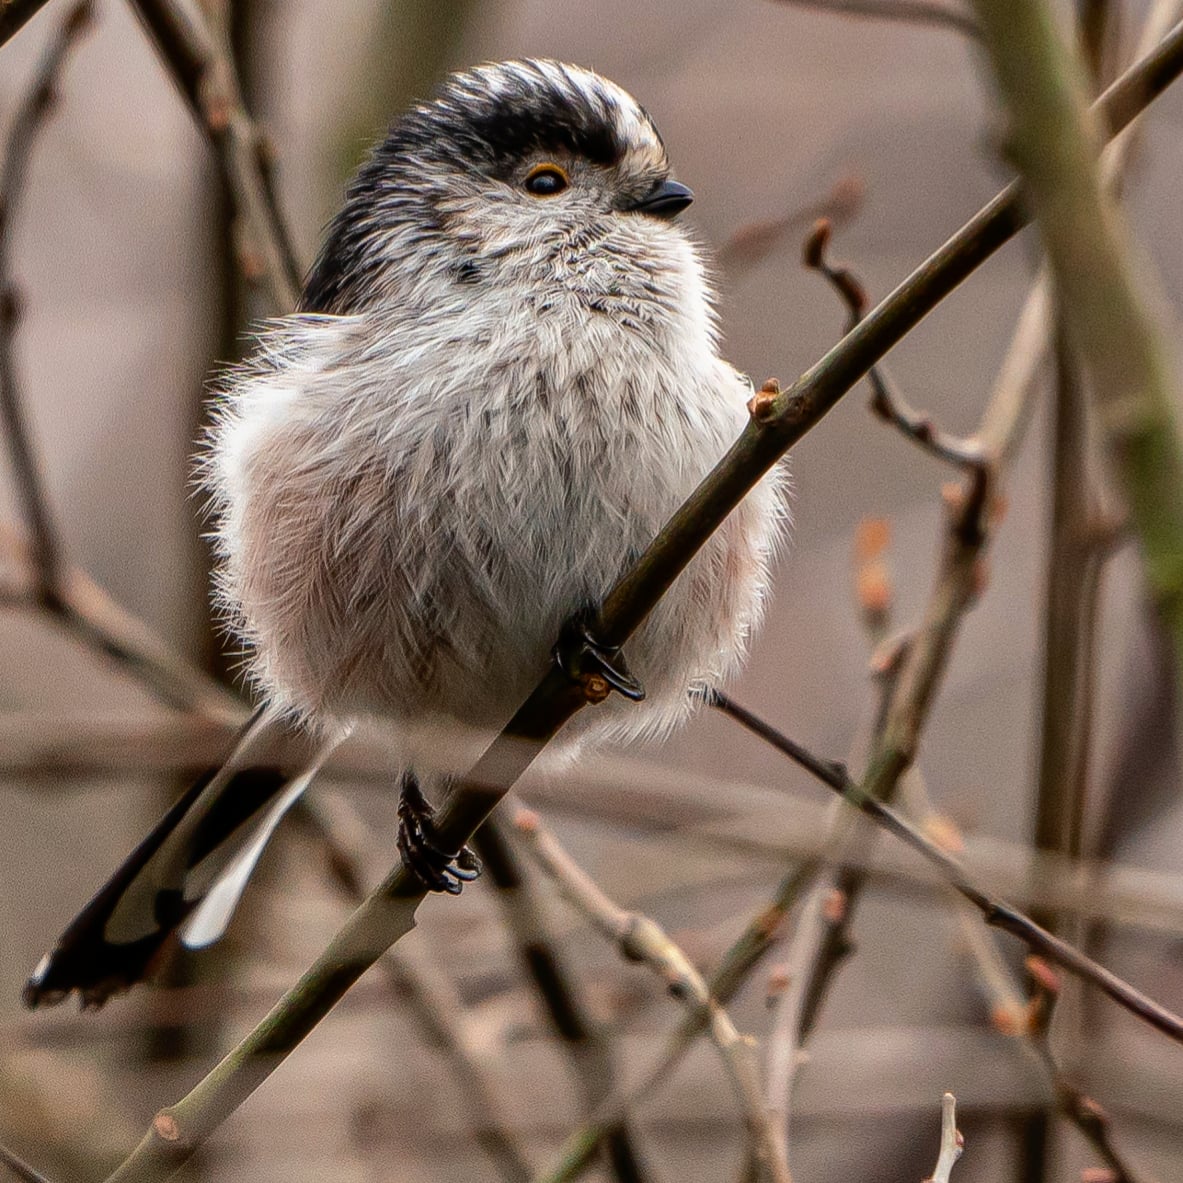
511 131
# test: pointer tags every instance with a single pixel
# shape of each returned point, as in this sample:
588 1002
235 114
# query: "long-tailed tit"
502 380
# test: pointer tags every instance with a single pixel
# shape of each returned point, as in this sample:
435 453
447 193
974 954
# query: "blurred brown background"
130 300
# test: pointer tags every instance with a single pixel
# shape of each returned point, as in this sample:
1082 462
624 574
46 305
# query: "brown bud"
762 404
1042 974
595 688
814 252
943 832
166 1127
872 538
834 906
526 821
1006 1021
779 980
873 587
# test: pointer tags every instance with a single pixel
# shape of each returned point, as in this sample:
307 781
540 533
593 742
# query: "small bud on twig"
763 403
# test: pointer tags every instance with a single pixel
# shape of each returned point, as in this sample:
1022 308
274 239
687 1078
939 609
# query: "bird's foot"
436 869
595 667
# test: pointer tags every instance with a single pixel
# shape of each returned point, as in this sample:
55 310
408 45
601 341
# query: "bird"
502 378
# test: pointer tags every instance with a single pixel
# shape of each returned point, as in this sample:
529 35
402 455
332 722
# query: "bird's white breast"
410 508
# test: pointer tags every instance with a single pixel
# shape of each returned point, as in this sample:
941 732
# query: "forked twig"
587 1043
886 400
640 939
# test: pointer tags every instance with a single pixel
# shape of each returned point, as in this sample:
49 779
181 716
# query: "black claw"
437 869
581 655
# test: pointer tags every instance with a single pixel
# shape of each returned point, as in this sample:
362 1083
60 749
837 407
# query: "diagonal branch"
19 1168
914 12
197 55
14 14
996 912
587 1043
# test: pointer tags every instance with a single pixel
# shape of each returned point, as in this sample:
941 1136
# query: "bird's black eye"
545 180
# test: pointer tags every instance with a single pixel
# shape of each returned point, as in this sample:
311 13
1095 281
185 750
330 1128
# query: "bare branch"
19 1168
785 1052
588 1045
31 117
639 939
14 14
996 912
915 12
198 57
886 400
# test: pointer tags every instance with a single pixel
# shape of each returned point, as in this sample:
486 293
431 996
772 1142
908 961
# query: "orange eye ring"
547 180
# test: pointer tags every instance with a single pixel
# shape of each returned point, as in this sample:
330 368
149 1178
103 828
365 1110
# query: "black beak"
666 201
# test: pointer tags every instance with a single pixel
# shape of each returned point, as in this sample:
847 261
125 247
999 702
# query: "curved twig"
640 939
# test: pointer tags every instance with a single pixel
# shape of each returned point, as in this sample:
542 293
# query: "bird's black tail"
186 875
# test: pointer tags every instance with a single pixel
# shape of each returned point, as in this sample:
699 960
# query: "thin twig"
1028 1021
588 1045
785 1052
20 1168
31 118
952 1142
88 613
915 12
996 912
886 400
197 55
640 939
753 242
777 423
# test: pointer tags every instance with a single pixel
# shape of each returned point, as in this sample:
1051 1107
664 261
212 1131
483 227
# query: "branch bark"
1106 306
197 55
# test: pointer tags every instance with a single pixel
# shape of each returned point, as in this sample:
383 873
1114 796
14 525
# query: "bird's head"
529 172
